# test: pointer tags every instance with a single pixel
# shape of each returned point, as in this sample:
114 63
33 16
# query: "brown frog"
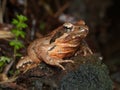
63 42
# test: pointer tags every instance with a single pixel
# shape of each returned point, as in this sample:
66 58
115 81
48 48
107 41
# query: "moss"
89 76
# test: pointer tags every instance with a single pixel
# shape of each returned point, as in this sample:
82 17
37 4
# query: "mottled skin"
63 42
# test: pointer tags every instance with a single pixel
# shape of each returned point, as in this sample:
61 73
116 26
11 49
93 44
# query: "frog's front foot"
86 51
58 62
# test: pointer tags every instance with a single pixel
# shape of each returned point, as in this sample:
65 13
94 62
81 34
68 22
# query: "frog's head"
70 33
75 32
79 28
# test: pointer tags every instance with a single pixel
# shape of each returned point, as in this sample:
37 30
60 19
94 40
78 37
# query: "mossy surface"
87 77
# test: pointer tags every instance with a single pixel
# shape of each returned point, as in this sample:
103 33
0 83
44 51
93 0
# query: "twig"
1 12
65 6
47 8
7 68
4 6
57 2
25 7
5 34
2 9
13 86
10 80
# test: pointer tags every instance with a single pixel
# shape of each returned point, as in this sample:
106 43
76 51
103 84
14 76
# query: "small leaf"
4 59
11 43
19 26
15 32
1 64
18 33
21 18
15 21
23 25
16 44
22 34
17 47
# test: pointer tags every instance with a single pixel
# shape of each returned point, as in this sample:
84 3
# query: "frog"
53 49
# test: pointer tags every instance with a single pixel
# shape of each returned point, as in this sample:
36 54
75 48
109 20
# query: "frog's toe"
59 65
66 61
87 51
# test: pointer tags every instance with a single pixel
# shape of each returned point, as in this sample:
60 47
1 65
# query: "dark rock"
87 73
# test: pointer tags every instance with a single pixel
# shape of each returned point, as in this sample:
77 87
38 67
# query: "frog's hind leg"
26 63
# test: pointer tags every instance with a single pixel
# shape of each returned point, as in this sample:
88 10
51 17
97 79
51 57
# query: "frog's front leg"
58 62
84 49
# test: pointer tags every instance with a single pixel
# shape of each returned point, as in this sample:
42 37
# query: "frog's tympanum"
63 42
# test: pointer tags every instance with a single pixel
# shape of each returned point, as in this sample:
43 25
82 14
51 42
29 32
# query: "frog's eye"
68 26
81 28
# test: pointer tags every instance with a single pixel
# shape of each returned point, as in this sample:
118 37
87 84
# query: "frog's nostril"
82 30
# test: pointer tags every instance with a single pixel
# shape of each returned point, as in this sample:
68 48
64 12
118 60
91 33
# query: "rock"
87 73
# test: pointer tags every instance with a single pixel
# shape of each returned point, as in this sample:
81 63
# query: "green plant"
19 24
17 31
3 60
